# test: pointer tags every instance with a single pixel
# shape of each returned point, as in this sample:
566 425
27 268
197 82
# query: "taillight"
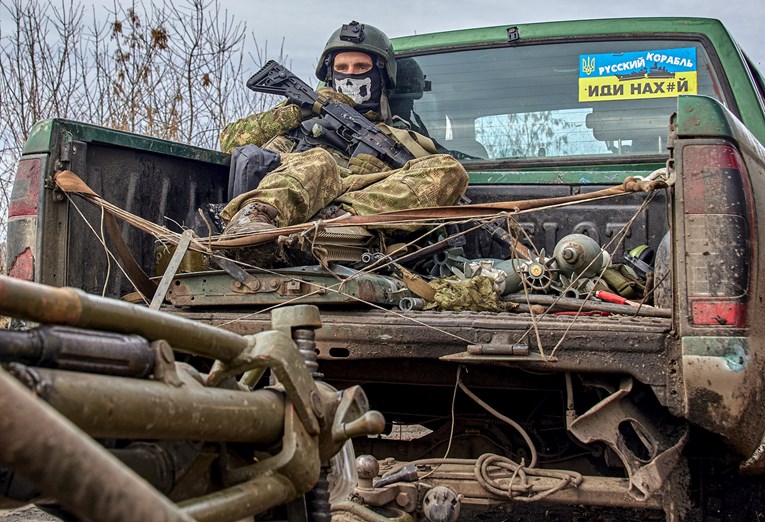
26 189
717 198
22 219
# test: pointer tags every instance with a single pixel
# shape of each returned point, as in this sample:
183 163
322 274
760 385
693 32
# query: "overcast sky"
306 24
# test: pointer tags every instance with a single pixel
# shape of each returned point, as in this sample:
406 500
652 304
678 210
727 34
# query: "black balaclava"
365 89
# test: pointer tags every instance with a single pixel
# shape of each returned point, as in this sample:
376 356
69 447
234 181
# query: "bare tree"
524 135
37 64
174 70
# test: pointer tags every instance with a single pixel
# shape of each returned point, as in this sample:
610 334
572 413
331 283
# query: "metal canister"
580 255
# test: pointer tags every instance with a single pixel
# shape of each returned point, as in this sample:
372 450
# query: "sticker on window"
637 75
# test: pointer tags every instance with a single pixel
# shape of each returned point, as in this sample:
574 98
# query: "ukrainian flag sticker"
637 75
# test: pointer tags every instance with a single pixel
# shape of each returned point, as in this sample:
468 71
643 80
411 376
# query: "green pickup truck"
556 401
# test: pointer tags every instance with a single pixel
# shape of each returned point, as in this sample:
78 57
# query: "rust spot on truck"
23 266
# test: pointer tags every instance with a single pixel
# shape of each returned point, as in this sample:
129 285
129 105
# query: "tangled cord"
505 478
521 490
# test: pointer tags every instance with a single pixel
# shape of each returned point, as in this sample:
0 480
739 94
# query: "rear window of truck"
607 98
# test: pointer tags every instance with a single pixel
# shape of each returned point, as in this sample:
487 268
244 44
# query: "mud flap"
649 450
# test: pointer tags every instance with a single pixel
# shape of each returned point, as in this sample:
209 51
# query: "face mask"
365 89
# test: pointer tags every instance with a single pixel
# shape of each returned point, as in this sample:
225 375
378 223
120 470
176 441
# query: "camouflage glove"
334 96
365 164
329 94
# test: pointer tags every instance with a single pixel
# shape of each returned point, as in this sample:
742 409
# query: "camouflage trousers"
306 182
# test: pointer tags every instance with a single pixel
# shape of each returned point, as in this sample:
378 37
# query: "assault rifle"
338 125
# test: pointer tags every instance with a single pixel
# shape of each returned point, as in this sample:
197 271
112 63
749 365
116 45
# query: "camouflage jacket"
257 129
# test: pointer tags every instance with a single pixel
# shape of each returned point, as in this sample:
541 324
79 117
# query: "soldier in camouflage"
322 183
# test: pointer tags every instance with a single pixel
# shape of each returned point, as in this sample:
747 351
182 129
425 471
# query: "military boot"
251 218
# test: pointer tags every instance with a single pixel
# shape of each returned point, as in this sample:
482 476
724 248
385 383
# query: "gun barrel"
75 349
72 307
125 408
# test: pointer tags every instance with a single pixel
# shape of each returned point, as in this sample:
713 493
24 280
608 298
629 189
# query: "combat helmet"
359 37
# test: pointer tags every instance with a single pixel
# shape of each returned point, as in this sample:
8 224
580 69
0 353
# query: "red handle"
611 298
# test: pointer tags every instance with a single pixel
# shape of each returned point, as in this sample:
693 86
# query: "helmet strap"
385 111
328 61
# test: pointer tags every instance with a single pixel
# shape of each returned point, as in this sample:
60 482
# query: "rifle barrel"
124 408
72 307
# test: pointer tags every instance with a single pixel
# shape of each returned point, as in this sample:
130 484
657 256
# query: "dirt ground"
26 514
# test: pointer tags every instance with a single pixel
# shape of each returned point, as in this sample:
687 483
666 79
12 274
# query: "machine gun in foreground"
174 443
